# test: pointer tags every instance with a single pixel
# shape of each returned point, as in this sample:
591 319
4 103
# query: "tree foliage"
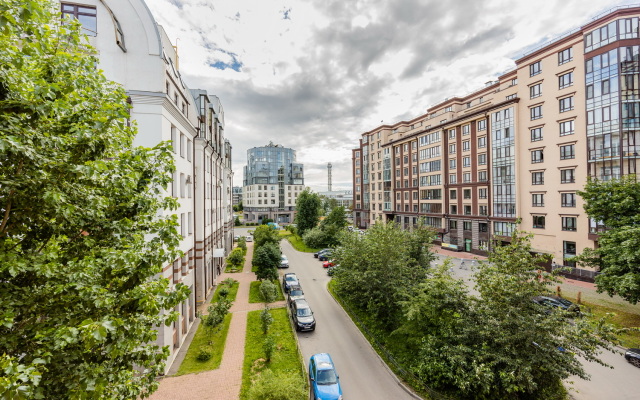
499 344
308 207
615 203
265 234
377 270
236 258
82 245
267 259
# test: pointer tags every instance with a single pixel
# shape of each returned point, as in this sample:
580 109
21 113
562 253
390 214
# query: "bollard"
558 291
579 298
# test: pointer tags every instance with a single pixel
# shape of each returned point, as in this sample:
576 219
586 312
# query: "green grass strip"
298 244
233 291
256 297
285 358
190 364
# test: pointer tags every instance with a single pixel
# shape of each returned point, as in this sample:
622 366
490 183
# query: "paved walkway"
222 383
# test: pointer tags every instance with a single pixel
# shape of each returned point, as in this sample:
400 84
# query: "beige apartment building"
518 149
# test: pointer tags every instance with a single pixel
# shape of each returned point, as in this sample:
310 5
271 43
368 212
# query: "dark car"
302 316
556 302
318 253
325 256
295 293
633 356
288 280
325 382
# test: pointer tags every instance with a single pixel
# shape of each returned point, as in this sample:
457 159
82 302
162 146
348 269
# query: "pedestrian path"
223 383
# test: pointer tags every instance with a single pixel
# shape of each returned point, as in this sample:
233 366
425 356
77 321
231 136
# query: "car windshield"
327 377
303 312
296 293
291 278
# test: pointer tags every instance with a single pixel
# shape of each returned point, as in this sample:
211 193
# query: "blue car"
325 383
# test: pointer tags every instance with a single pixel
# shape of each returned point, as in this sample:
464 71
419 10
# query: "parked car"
329 263
325 256
249 238
302 316
295 293
558 302
284 262
331 270
633 356
289 279
236 238
319 252
325 382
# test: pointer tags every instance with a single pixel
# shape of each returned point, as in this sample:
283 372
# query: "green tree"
82 243
265 234
236 221
377 271
308 208
500 344
242 244
269 292
615 203
315 238
267 259
236 258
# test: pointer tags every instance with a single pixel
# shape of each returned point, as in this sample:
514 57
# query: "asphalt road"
363 375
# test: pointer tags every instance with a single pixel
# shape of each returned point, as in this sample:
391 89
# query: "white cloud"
315 75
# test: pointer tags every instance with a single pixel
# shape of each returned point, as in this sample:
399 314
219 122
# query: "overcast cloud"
314 75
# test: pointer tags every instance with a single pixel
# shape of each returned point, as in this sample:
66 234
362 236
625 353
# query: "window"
569 224
567 176
537 200
482 125
536 134
482 142
567 152
535 68
466 177
537 178
452 164
535 90
482 176
589 92
538 221
536 112
483 210
454 209
565 80
183 145
189 144
483 226
466 193
452 148
511 97
567 128
569 248
87 16
453 194
482 193
565 56
466 161
606 87
466 145
566 104
453 178
466 225
537 156
453 224
466 130
482 159
452 133
568 199
448 109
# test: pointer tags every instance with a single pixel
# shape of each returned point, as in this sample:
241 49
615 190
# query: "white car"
284 261
249 239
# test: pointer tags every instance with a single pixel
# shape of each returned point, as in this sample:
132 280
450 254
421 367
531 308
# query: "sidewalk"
223 383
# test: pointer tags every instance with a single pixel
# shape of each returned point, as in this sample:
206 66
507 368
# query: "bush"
277 386
223 292
269 346
269 291
217 312
266 319
242 244
314 238
205 353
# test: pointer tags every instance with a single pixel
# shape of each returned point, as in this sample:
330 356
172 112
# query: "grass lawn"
297 243
231 270
233 291
285 359
256 297
190 364
621 319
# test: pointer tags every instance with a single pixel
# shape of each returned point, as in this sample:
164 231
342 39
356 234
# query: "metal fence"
576 273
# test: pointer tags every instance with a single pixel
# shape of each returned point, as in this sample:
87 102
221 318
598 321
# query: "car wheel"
635 362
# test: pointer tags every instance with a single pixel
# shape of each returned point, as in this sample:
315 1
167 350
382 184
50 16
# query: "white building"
136 52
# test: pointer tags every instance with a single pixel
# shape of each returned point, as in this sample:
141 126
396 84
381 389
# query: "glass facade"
273 164
503 155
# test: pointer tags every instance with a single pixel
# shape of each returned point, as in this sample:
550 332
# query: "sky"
313 75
